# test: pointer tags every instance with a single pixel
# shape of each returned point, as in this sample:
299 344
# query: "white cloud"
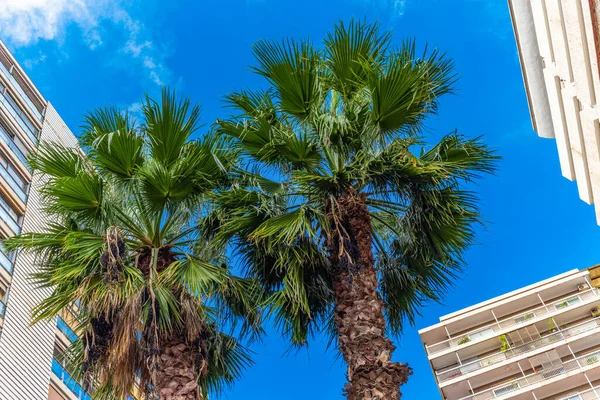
389 10
30 62
399 6
395 8
25 22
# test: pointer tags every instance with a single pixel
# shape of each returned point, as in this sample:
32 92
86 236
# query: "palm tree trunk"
358 311
177 376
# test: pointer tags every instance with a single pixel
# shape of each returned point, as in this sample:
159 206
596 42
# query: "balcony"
591 394
6 215
544 341
546 374
19 116
6 261
20 188
527 317
69 381
66 329
17 87
8 140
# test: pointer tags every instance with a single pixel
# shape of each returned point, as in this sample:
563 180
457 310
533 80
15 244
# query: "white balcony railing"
526 317
591 394
543 374
544 341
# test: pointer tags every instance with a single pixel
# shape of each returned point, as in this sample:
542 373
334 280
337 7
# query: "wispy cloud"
26 22
393 9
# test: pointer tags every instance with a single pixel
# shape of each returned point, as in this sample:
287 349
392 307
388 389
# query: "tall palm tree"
155 298
342 218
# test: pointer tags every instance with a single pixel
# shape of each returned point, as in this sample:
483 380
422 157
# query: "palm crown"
152 291
354 222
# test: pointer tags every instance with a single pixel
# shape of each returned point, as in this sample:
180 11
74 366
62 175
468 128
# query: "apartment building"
31 365
559 43
541 342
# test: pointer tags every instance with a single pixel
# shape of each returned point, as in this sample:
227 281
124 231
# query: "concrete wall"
25 350
558 48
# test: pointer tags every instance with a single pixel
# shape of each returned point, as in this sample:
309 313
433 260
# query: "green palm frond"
293 68
128 250
110 137
56 161
169 125
348 47
407 87
348 119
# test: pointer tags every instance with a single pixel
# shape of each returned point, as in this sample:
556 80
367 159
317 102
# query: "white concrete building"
30 356
558 43
541 342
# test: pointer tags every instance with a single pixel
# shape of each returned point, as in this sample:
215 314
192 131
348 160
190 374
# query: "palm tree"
340 215
156 302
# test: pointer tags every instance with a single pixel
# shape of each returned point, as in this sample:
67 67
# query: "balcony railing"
66 329
8 218
518 350
17 87
2 309
19 116
6 261
11 144
526 317
69 381
18 187
591 394
541 375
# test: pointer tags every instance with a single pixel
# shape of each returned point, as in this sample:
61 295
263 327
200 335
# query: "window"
507 389
481 334
20 113
567 302
5 204
14 177
469 365
9 215
14 143
572 397
524 318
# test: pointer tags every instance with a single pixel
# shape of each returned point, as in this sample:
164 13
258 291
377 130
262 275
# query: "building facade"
30 355
541 342
559 49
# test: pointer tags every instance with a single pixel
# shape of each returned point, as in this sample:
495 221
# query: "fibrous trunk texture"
177 375
358 312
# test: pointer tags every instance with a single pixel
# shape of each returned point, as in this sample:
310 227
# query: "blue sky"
83 54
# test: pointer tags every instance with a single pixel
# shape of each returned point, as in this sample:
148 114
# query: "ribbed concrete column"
532 67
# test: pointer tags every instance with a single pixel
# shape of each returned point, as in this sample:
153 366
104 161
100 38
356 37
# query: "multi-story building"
30 355
541 342
559 49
